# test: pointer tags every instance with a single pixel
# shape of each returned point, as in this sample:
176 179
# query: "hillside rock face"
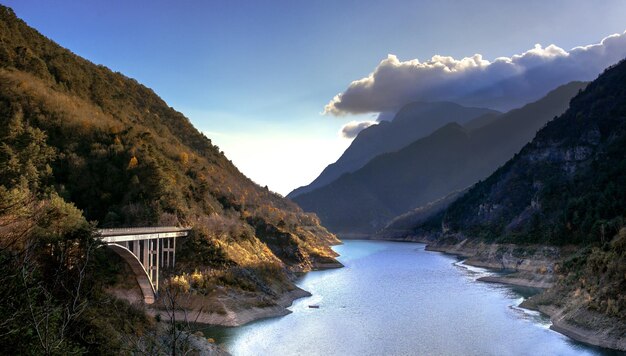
125 158
566 188
414 121
567 185
450 159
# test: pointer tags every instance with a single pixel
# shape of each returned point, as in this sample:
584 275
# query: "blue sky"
256 75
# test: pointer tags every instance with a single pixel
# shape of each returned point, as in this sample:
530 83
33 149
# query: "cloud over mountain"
502 84
351 129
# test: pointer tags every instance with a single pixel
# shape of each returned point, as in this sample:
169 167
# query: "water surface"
398 299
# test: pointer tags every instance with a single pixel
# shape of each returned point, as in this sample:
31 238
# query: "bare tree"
174 328
51 317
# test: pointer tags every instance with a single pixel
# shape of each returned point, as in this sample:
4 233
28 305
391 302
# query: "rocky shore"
534 266
584 325
230 309
530 266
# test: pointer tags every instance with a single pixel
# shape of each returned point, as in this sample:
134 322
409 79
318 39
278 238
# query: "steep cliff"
566 186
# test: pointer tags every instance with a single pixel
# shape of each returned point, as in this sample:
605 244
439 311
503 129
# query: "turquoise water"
397 299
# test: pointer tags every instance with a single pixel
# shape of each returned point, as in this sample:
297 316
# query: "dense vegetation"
594 277
450 159
589 290
79 144
123 156
52 272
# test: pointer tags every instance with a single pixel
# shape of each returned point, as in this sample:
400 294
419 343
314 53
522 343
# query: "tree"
132 163
46 255
24 153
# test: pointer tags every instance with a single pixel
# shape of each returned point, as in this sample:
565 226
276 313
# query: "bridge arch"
143 279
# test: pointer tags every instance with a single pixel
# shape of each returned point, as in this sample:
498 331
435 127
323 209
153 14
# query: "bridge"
146 250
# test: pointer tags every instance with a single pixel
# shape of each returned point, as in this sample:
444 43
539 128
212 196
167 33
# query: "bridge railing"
140 230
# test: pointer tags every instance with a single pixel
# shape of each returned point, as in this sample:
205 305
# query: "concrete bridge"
145 249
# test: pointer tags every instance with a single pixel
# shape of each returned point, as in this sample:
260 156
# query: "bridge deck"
145 249
140 230
142 233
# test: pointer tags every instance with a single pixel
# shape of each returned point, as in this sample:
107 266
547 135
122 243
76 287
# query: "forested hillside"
567 185
80 143
123 156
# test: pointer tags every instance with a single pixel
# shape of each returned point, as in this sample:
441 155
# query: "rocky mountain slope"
450 159
414 121
566 186
565 189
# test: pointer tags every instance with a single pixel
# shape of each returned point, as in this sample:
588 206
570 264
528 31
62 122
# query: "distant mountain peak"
412 122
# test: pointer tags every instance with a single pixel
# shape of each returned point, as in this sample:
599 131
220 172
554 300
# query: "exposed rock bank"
233 310
584 325
535 266
203 347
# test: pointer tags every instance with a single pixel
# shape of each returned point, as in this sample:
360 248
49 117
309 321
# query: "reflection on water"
397 299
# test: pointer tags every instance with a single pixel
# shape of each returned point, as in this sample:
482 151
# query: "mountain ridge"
452 158
413 121
581 146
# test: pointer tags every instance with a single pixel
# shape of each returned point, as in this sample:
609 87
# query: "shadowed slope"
450 159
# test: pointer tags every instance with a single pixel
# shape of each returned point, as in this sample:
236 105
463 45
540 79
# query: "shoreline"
558 316
560 324
531 271
234 318
520 275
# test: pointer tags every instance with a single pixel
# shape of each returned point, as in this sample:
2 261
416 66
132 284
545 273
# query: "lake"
396 298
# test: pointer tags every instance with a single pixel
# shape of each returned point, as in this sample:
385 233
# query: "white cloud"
351 129
504 83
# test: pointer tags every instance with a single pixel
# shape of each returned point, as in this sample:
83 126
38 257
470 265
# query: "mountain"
450 159
567 185
403 225
564 192
76 134
414 121
481 121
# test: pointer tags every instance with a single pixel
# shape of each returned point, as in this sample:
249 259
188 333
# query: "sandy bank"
319 266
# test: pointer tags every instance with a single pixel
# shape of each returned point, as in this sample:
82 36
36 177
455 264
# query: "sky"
258 76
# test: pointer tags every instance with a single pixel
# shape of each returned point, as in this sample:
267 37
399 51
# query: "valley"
479 207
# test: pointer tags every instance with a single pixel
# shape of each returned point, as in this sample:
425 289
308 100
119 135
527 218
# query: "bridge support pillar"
145 250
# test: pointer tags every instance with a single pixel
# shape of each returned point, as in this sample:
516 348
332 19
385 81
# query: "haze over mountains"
451 158
503 83
538 192
414 121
